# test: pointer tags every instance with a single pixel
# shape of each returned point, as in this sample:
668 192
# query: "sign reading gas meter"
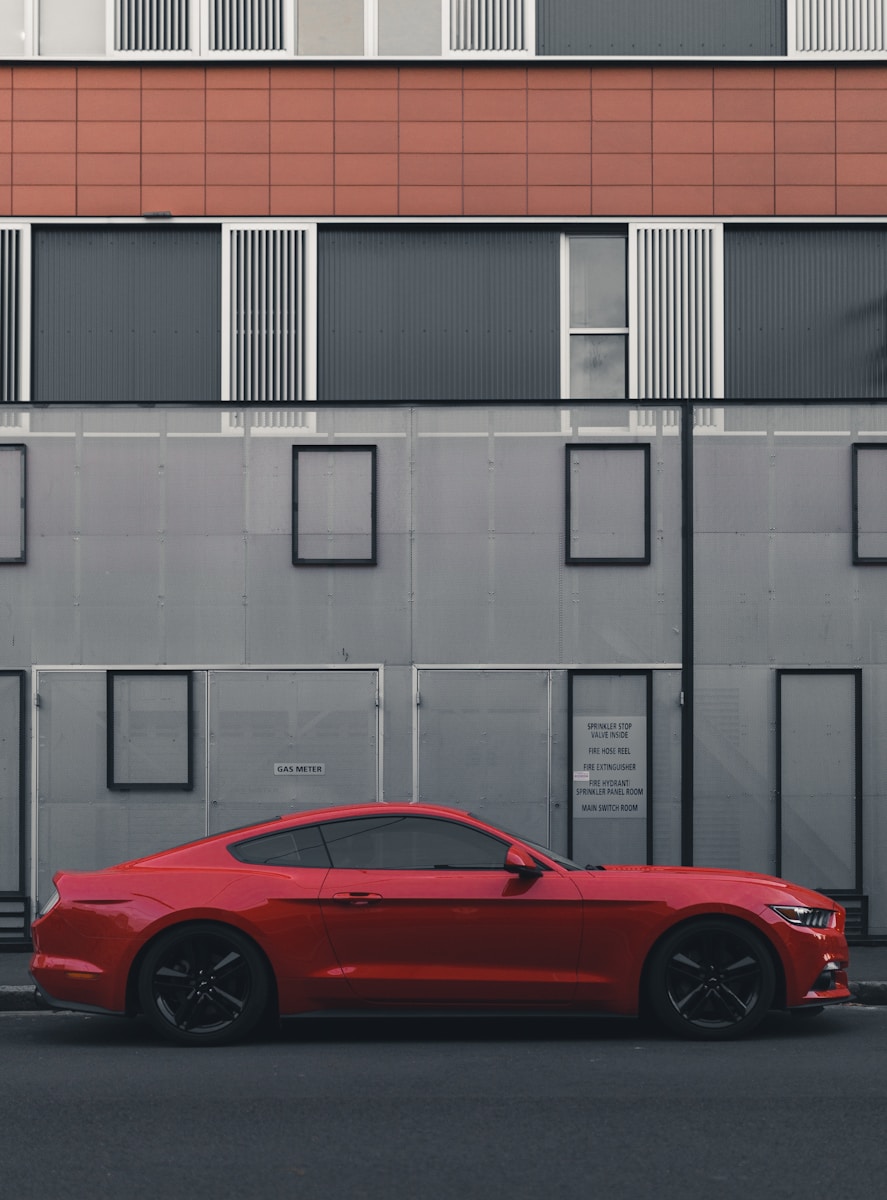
609 766
292 769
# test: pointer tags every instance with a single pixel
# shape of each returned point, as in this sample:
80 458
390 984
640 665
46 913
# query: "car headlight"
50 902
812 918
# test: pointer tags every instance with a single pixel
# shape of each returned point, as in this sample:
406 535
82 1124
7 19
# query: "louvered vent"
839 26
487 25
246 25
269 315
10 273
678 318
158 25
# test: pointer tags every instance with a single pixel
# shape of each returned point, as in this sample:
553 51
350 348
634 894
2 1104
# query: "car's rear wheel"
203 985
711 979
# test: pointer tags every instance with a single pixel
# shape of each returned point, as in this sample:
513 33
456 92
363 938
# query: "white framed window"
594 318
269 313
836 28
15 313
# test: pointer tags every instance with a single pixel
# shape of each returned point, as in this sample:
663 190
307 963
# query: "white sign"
289 770
609 766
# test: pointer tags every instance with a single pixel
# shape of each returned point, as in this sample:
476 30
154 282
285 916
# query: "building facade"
479 402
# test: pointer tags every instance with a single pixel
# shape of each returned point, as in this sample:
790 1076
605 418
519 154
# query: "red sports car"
408 906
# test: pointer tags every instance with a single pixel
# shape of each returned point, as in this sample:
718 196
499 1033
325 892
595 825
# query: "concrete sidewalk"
868 978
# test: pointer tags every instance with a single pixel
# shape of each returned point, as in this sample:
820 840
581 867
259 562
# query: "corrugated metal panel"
487 25
10 268
681 27
127 315
839 26
268 314
678 323
805 315
246 25
152 25
423 315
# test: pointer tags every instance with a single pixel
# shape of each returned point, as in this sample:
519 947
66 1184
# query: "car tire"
711 979
203 985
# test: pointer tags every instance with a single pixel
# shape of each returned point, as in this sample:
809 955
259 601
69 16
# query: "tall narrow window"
334 506
12 503
598 317
608 504
150 731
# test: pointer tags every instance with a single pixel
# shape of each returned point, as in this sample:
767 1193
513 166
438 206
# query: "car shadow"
411 1027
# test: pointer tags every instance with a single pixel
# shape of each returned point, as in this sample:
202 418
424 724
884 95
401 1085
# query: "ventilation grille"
159 25
839 26
678 304
268 306
10 273
246 25
487 25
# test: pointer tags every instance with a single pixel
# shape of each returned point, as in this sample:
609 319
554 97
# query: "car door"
421 909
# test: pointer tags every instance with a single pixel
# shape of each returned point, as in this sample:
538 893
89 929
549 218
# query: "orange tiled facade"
455 141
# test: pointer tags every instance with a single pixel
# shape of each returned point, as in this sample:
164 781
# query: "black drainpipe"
687 649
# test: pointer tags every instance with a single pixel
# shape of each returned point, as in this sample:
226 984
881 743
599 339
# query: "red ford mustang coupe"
405 906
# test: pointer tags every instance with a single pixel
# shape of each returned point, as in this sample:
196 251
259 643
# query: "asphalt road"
421 1109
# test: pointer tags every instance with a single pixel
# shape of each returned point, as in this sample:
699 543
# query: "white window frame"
309 366
568 331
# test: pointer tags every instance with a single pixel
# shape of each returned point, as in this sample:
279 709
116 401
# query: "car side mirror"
518 862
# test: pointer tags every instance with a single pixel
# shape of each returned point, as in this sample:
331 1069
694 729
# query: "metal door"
483 740
281 741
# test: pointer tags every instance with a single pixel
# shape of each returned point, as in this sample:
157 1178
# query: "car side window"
403 843
300 847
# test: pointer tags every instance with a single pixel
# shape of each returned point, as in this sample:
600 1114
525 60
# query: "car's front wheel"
203 985
712 979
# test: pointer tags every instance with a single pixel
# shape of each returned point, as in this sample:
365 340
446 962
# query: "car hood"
716 876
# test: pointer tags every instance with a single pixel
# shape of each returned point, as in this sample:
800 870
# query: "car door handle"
356 899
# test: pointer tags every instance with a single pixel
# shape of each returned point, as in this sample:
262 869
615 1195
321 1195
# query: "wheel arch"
132 980
779 994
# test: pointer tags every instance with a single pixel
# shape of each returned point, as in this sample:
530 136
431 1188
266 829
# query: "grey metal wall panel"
127 315
805 314
679 27
438 315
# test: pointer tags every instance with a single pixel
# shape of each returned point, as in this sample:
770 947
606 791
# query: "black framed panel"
869 489
150 731
607 504
334 506
610 757
13 500
819 777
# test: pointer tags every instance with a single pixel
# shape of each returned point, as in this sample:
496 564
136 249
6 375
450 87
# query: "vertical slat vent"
487 25
153 25
10 274
246 25
840 26
677 329
268 315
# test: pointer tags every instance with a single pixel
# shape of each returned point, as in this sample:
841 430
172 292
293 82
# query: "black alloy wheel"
711 979
203 985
